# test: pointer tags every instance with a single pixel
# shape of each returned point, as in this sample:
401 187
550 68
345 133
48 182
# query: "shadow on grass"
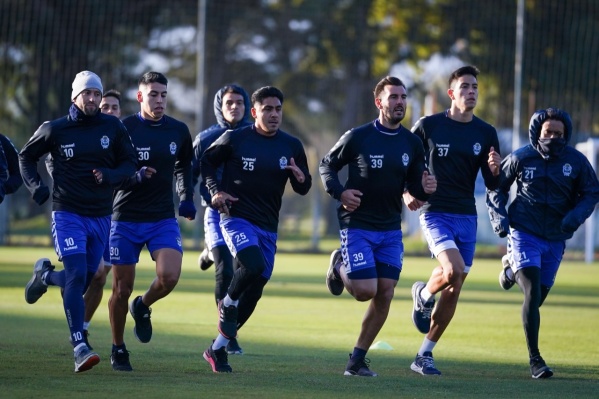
37 362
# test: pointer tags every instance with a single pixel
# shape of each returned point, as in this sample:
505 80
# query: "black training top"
381 164
78 144
455 152
254 171
165 146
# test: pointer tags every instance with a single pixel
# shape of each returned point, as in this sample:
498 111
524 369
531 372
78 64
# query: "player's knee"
252 260
453 276
99 280
123 292
168 281
363 294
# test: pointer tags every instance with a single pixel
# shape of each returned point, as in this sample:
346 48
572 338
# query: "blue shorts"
445 231
371 254
106 255
527 250
240 234
212 234
128 238
75 234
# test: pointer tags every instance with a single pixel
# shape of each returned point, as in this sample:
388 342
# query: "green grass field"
297 342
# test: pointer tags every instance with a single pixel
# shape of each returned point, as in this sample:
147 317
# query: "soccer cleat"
36 287
120 360
539 369
227 320
205 259
421 314
334 281
218 359
143 324
359 367
425 364
233 347
85 359
506 276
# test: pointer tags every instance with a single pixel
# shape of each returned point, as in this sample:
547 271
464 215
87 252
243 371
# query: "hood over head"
536 124
218 105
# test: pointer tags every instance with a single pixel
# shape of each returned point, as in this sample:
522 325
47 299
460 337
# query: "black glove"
41 195
187 209
569 224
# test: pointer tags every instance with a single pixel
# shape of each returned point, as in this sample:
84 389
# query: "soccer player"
457 145
232 111
10 176
143 213
110 105
557 190
257 161
382 159
91 155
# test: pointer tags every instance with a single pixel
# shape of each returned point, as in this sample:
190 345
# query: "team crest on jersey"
283 163
104 142
476 147
405 158
567 169
173 148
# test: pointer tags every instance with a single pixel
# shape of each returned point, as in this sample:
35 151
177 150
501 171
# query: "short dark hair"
559 115
465 70
267 91
113 93
387 81
232 89
152 77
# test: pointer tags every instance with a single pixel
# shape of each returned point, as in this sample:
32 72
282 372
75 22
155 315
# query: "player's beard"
395 120
90 109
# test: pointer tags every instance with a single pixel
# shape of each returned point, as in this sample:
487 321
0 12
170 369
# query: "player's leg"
126 242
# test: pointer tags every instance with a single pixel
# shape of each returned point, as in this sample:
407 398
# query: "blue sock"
358 353
75 272
55 278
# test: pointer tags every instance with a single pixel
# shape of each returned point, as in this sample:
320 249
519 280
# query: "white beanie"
86 80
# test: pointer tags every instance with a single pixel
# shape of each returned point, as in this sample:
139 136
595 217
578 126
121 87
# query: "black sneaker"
425 364
334 281
233 347
218 359
85 359
227 320
120 360
539 369
143 324
421 314
506 276
36 287
359 367
205 260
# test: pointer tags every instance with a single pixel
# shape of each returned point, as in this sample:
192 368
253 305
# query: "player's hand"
144 173
297 172
223 202
412 202
187 209
98 176
350 199
494 162
41 194
429 182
